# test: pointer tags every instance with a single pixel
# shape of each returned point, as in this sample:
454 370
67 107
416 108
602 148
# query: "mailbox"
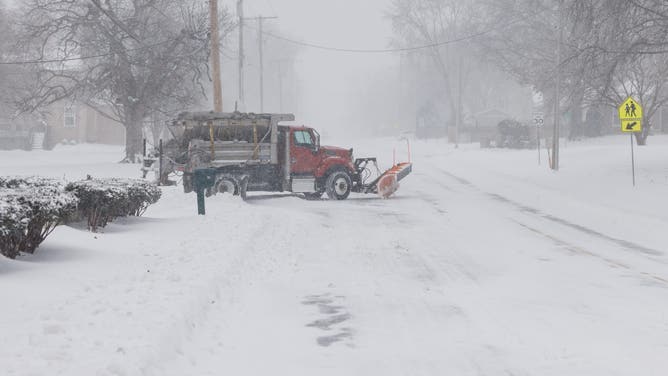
203 179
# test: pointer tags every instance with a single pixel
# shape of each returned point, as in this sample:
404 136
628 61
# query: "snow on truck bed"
483 263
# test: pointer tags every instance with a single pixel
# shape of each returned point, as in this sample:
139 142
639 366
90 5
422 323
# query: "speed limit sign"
538 119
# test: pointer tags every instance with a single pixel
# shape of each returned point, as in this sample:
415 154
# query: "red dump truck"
242 152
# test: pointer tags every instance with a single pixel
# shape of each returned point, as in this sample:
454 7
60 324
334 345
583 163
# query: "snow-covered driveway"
474 268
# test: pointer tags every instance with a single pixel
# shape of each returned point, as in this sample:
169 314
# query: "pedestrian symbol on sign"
630 115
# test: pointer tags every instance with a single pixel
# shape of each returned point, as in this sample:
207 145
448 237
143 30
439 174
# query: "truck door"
304 156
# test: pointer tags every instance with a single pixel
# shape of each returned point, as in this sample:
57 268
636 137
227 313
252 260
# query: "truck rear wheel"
227 185
338 185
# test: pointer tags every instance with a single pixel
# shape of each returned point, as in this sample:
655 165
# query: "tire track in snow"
280 253
620 243
207 297
624 244
578 250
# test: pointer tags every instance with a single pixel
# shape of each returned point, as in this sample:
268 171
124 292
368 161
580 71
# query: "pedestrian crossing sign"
630 115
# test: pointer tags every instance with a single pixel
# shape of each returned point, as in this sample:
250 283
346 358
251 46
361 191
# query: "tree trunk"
133 137
577 127
641 137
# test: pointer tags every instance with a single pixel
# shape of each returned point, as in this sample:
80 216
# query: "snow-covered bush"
14 220
103 200
30 209
28 182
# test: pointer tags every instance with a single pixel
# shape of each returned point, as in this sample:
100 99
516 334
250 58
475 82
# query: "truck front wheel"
338 185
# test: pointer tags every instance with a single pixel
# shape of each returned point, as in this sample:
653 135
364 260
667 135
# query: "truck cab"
311 164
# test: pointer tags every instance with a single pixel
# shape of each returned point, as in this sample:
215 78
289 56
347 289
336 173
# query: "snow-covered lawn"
484 263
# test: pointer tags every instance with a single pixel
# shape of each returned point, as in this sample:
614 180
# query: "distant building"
15 133
486 126
72 122
64 123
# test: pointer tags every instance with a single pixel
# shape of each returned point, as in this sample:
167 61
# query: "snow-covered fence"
30 209
103 200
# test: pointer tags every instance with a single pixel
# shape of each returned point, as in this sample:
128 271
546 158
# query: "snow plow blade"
388 182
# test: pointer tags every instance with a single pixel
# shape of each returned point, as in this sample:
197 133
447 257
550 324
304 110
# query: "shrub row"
103 200
32 207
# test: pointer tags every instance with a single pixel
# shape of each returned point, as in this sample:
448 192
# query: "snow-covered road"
481 265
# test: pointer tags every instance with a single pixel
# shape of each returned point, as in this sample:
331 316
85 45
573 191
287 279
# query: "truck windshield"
303 138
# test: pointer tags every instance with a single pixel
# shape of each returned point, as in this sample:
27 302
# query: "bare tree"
5 70
134 57
430 22
628 56
12 75
611 49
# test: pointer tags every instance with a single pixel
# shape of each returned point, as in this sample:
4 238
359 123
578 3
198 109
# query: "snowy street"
483 263
378 187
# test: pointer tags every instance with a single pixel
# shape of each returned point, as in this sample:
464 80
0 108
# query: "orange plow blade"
388 183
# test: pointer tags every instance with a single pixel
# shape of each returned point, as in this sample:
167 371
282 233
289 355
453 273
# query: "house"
16 132
14 135
72 122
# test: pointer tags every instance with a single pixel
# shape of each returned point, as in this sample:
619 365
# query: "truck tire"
227 185
338 185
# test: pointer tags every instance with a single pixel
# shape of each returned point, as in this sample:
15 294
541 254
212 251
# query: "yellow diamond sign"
630 114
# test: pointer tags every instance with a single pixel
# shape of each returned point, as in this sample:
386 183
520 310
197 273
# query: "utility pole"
215 56
557 93
260 28
240 12
260 22
280 85
458 103
458 122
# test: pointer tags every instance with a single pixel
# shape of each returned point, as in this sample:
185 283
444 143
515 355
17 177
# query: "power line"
403 49
80 58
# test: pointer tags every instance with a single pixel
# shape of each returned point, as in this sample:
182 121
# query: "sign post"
630 116
538 120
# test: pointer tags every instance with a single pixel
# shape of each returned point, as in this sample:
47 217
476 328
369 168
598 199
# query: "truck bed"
227 153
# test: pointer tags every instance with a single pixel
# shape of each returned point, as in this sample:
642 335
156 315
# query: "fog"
373 68
330 86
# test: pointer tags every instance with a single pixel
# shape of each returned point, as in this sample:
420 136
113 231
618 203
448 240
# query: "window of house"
70 117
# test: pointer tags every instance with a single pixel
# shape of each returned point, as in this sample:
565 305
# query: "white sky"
329 79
